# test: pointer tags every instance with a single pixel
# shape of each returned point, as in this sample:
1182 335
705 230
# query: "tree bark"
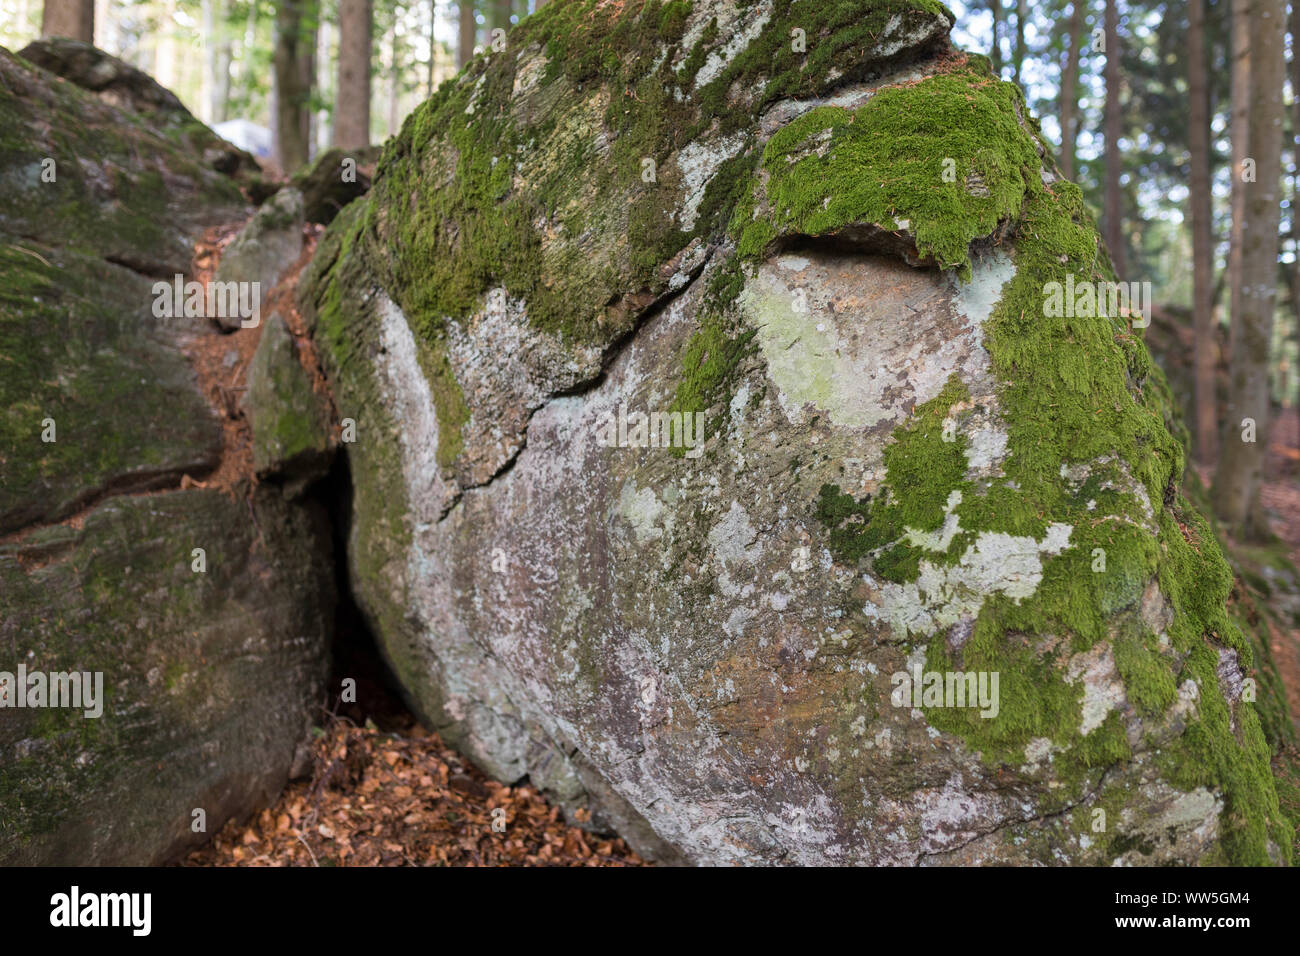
468 30
501 10
1202 242
1114 200
1241 464
69 18
1019 64
352 105
294 68
433 46
995 53
1070 91
394 79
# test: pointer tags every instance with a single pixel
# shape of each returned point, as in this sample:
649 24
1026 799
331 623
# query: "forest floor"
405 799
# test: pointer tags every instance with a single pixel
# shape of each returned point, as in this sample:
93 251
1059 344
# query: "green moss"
713 355
475 179
924 470
123 402
1073 390
1233 762
912 153
1035 701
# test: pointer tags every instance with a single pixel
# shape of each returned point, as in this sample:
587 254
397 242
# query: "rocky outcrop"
333 179
290 421
195 611
265 248
713 428
135 92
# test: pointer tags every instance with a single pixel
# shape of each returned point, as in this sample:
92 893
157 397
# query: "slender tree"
1070 90
1199 201
352 106
1113 213
1243 458
501 10
468 30
394 78
295 68
69 18
216 57
1022 12
433 46
1238 135
995 7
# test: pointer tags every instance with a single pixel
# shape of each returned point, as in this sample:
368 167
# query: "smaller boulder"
268 245
334 179
292 437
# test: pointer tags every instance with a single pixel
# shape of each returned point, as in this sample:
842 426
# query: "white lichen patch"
894 39
506 368
1103 690
698 162
642 509
996 563
939 540
1119 478
742 38
407 396
856 357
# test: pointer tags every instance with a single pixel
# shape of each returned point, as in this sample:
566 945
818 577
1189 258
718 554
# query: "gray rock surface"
907 468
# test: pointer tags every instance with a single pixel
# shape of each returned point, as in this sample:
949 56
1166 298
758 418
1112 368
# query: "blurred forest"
1193 99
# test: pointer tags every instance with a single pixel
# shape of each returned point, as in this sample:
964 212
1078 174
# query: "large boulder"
831 237
135 92
203 614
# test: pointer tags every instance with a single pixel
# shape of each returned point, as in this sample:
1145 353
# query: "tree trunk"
1241 465
164 68
1202 243
1113 213
223 50
468 29
352 105
1238 136
294 67
995 53
394 79
433 46
69 18
216 59
501 10
1019 64
1070 91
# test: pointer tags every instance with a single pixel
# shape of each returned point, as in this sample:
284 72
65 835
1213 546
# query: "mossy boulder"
127 88
81 173
333 179
208 676
207 613
265 248
292 434
823 240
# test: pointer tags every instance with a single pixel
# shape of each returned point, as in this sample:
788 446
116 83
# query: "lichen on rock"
840 257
